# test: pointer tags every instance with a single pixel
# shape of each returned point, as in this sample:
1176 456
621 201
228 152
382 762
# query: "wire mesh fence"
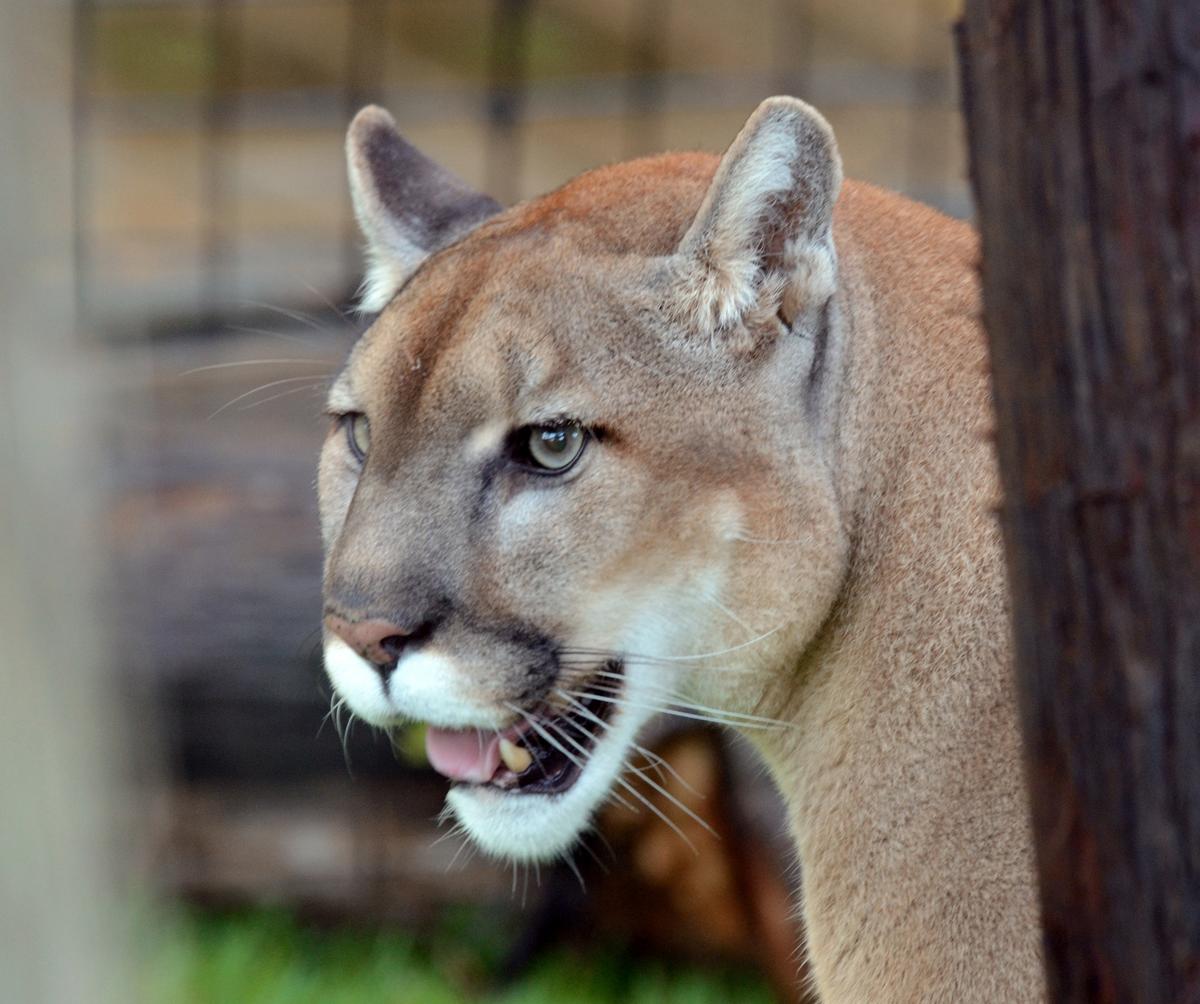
208 160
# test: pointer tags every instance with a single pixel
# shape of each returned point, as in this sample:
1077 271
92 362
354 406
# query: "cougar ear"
407 206
761 244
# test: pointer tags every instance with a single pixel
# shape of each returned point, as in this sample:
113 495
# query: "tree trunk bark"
1083 122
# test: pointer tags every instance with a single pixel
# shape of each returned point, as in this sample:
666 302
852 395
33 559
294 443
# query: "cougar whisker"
656 761
682 700
262 387
284 393
254 362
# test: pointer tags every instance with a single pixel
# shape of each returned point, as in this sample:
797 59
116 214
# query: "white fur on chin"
513 825
532 827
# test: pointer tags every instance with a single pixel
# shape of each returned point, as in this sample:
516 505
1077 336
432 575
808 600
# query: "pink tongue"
469 755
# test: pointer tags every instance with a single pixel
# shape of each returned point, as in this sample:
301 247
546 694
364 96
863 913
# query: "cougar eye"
358 434
555 448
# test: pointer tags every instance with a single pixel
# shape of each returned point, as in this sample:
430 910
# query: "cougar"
703 434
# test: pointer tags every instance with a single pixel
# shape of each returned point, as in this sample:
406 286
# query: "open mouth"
542 753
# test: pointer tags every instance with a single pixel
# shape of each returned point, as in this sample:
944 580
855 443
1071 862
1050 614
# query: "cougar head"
576 470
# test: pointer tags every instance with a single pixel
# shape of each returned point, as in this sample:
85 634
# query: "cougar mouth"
543 753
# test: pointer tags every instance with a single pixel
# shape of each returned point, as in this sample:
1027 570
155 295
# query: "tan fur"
822 469
904 778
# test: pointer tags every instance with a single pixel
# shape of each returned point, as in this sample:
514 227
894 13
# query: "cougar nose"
380 642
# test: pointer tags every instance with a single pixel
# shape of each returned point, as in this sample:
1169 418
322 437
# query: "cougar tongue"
467 755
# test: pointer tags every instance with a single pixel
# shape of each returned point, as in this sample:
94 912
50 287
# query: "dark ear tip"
369 119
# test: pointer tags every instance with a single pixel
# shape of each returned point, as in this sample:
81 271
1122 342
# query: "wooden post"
63 921
1083 121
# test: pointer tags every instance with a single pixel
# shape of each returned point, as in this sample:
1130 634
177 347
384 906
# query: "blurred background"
179 260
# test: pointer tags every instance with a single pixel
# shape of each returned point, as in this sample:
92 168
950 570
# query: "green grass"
269 958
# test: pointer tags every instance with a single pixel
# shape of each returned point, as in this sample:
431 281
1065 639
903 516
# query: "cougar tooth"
516 758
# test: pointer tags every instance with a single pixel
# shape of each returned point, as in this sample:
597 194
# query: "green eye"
358 435
554 448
